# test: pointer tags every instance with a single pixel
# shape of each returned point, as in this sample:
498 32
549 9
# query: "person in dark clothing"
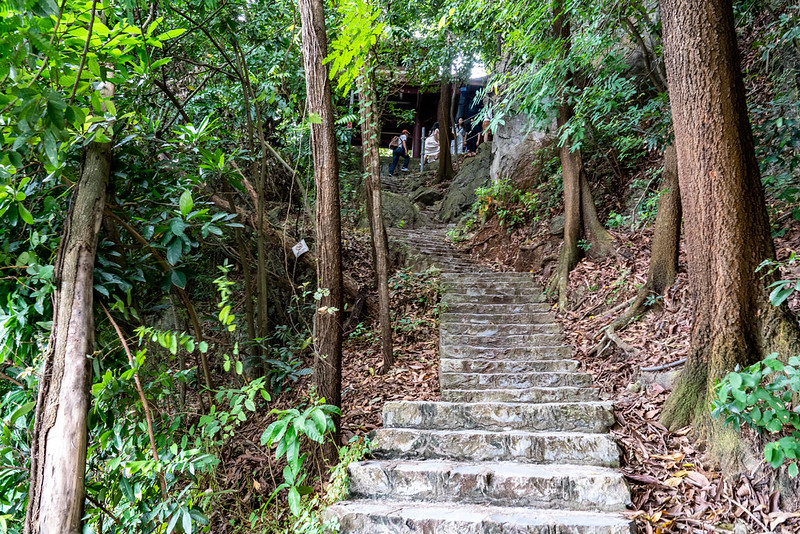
472 136
401 150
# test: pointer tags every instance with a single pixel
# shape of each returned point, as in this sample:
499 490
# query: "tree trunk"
370 134
579 210
58 449
328 323
727 228
667 233
663 253
445 172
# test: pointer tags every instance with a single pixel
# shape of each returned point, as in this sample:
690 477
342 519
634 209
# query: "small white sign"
300 248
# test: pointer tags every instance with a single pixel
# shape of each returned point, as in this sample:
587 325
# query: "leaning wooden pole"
328 322
58 449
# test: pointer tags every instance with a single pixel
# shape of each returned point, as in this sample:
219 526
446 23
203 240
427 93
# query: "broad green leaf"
174 250
25 214
186 203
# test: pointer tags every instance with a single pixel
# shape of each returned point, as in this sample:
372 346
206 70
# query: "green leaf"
186 521
174 250
294 501
25 214
203 346
127 491
793 469
239 367
313 118
735 380
186 203
177 226
178 278
22 410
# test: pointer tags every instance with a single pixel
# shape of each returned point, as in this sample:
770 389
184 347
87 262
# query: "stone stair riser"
498 329
590 417
376 517
509 446
562 394
453 365
526 353
451 317
513 380
472 484
483 308
466 298
501 340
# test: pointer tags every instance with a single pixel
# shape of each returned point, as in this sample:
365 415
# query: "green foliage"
761 396
286 434
511 205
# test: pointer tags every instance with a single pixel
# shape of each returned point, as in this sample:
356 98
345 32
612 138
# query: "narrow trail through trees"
519 443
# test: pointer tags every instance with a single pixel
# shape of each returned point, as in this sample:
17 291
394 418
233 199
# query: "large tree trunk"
579 210
328 323
370 134
58 450
727 229
445 172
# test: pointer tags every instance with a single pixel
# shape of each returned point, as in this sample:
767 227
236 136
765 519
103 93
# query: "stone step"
482 381
479 285
482 308
478 298
454 365
500 277
501 340
507 446
589 417
482 329
527 353
565 487
562 394
395 517
466 317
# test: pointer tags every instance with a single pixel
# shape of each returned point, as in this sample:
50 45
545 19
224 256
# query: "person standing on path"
432 144
401 150
460 136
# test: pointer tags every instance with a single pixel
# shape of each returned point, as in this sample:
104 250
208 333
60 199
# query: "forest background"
160 160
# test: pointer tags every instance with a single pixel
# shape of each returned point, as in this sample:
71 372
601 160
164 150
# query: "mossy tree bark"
370 134
58 448
328 323
727 231
580 215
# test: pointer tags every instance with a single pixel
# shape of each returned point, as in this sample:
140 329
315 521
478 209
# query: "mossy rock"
398 212
461 193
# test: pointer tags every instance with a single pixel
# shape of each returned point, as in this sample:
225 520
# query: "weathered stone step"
491 308
500 277
468 317
507 446
482 285
562 394
589 417
501 339
568 487
482 329
527 353
496 298
454 365
394 517
513 380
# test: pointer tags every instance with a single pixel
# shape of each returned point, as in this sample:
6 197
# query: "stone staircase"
519 443
429 247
